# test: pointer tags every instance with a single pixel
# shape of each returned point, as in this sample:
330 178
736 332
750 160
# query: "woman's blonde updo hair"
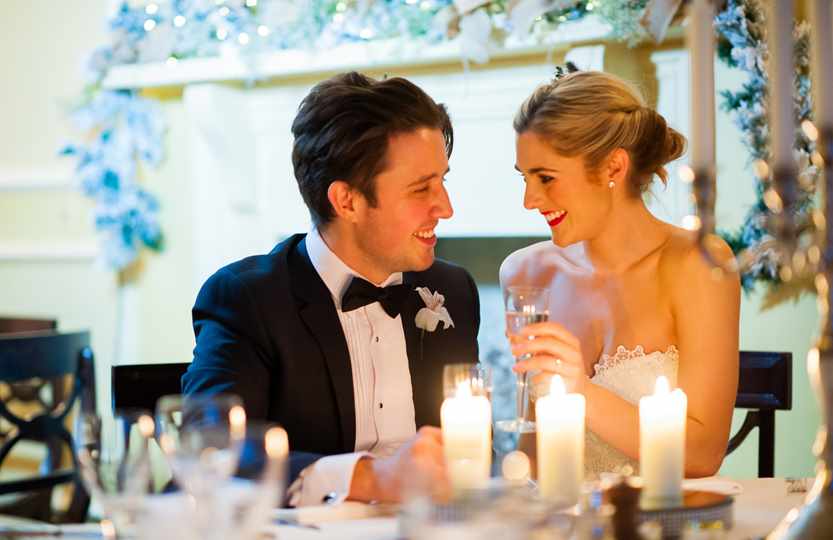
589 114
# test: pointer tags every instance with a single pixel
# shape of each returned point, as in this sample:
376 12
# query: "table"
757 510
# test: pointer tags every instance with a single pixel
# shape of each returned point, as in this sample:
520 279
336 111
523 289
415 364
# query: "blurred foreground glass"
478 377
260 481
202 438
113 454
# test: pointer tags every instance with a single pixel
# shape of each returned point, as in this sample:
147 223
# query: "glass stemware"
260 480
524 306
202 438
114 460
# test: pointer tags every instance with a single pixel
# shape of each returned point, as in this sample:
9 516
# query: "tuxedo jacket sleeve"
230 356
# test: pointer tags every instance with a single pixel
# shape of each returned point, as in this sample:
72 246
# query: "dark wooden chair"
42 377
13 325
764 386
141 385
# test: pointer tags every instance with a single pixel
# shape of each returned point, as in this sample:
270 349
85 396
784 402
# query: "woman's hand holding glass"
550 349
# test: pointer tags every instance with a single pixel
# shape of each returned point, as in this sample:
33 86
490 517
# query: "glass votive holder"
478 377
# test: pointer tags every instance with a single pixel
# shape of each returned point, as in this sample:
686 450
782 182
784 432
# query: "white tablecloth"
761 505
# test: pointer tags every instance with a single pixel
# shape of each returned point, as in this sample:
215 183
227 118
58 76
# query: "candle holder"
704 193
814 519
782 220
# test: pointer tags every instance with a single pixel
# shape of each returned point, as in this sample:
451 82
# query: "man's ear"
343 199
618 165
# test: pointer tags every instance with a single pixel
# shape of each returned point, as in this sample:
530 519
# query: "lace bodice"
630 374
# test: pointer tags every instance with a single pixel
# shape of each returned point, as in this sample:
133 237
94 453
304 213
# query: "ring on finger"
558 363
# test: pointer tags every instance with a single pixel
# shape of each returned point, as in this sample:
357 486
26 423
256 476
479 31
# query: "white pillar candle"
779 19
466 425
701 46
662 419
821 38
559 418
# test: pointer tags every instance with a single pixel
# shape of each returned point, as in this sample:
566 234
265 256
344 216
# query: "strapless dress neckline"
630 374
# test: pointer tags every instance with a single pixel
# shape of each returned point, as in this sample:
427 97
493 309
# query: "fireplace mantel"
232 65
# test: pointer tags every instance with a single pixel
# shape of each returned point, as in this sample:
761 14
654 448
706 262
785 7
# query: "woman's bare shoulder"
533 264
683 262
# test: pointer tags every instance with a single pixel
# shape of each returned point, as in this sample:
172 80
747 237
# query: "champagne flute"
524 306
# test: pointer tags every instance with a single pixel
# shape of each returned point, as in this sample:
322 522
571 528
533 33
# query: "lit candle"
466 425
560 443
779 18
662 418
822 56
701 45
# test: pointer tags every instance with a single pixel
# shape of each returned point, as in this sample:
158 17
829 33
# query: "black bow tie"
361 293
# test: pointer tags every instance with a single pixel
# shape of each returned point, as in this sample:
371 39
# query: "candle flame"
237 415
557 387
146 426
237 421
463 389
662 387
277 443
527 309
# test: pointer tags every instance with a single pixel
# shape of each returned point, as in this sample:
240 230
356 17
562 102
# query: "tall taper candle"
559 420
701 47
821 39
779 22
662 418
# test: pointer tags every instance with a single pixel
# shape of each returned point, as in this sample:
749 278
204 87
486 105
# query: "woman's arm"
706 310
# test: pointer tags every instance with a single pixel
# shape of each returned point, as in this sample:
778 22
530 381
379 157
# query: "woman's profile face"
574 203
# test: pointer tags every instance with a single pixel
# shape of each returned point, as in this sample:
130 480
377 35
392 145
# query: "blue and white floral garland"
742 30
125 130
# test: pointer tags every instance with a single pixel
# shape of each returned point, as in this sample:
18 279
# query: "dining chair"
141 385
12 325
43 376
764 386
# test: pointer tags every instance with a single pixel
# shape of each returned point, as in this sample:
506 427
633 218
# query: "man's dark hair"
341 133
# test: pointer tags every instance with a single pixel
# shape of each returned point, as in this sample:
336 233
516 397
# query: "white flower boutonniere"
430 316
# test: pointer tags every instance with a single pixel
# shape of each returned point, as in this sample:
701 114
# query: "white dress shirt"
381 381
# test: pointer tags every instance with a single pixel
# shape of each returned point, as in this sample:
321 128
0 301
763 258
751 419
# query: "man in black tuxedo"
341 335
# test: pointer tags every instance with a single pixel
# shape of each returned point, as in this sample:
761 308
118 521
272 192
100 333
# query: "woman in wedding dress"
631 296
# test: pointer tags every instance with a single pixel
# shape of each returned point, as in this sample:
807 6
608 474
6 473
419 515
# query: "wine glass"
113 455
202 437
524 306
259 482
477 376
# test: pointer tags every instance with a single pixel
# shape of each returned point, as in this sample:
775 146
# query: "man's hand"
419 466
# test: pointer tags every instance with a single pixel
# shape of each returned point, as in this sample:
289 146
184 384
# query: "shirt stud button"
377 339
381 405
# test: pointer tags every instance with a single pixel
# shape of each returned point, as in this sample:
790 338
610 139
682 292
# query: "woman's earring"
611 184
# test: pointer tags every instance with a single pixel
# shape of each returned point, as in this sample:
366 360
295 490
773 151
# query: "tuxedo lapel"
424 383
317 311
413 335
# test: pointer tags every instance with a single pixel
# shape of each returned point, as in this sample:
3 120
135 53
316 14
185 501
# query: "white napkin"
325 513
715 484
